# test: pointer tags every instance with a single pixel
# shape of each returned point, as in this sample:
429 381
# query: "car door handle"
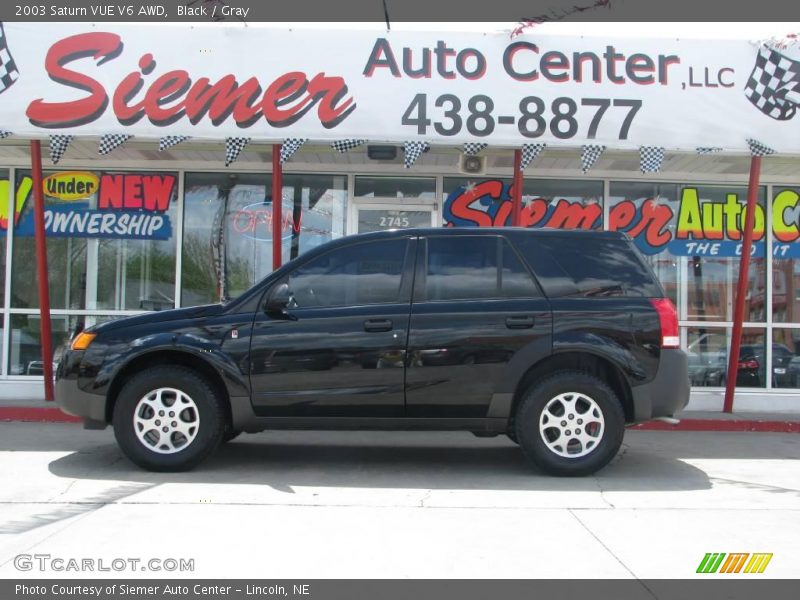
519 322
378 325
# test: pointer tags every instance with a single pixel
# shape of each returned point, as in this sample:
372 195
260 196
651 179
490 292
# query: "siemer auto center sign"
234 80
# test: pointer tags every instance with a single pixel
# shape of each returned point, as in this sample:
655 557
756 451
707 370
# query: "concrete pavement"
417 504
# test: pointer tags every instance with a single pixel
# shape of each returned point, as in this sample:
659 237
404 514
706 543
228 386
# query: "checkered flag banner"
529 153
343 146
8 68
589 155
58 145
701 150
4 134
413 151
774 84
112 140
290 146
650 159
168 141
474 148
759 149
234 147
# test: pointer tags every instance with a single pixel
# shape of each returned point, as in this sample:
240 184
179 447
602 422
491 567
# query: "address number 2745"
533 118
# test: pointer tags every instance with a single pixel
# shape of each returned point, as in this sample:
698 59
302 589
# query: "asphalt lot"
377 504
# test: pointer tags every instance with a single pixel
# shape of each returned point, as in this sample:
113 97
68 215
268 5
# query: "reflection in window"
786 358
707 350
627 204
360 274
395 187
121 231
25 350
712 247
228 228
467 268
786 256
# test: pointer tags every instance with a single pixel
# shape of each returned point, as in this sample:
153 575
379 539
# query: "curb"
36 414
55 415
736 425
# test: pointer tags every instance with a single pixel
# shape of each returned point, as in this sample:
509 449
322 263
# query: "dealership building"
150 225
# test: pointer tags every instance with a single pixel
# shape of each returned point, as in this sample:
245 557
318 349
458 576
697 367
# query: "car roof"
471 231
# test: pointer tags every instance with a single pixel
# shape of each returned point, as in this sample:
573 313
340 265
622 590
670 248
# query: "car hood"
193 312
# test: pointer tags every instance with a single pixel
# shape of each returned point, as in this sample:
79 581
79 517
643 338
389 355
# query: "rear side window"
474 267
588 266
369 273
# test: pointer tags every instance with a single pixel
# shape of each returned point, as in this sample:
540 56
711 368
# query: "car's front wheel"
570 423
168 419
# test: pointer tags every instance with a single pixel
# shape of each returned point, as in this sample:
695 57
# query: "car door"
477 317
339 347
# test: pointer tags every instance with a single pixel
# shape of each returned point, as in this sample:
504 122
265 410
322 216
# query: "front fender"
208 350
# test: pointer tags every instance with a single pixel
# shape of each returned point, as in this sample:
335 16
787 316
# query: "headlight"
82 340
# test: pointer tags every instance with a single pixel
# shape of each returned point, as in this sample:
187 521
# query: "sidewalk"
48 412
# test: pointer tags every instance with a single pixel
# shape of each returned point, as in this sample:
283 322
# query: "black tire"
529 412
210 415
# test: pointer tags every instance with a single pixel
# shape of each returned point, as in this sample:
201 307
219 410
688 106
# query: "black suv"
554 338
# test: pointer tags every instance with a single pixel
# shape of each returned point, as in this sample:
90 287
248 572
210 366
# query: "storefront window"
648 212
562 204
786 358
228 228
395 187
709 234
5 212
707 349
25 350
110 240
786 255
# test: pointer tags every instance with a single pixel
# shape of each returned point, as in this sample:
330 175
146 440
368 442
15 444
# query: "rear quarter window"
588 266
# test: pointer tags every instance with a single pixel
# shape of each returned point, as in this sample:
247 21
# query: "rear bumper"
668 392
74 401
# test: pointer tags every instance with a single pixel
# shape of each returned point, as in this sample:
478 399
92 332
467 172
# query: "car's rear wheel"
571 423
168 419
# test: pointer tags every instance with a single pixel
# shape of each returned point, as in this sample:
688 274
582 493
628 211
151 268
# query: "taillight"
668 317
750 363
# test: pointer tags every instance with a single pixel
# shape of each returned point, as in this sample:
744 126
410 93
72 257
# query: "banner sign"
229 80
691 227
107 206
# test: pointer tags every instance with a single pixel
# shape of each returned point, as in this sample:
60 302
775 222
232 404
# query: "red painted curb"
723 425
36 414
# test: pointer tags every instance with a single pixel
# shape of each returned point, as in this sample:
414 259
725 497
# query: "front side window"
361 274
469 268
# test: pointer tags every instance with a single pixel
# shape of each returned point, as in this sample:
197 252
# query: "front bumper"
668 392
74 401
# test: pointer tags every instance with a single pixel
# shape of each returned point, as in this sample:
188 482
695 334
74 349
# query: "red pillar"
41 268
741 286
516 190
277 206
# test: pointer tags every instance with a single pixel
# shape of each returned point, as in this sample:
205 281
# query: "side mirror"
279 300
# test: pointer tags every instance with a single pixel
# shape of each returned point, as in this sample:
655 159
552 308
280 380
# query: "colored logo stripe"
734 562
758 563
711 562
